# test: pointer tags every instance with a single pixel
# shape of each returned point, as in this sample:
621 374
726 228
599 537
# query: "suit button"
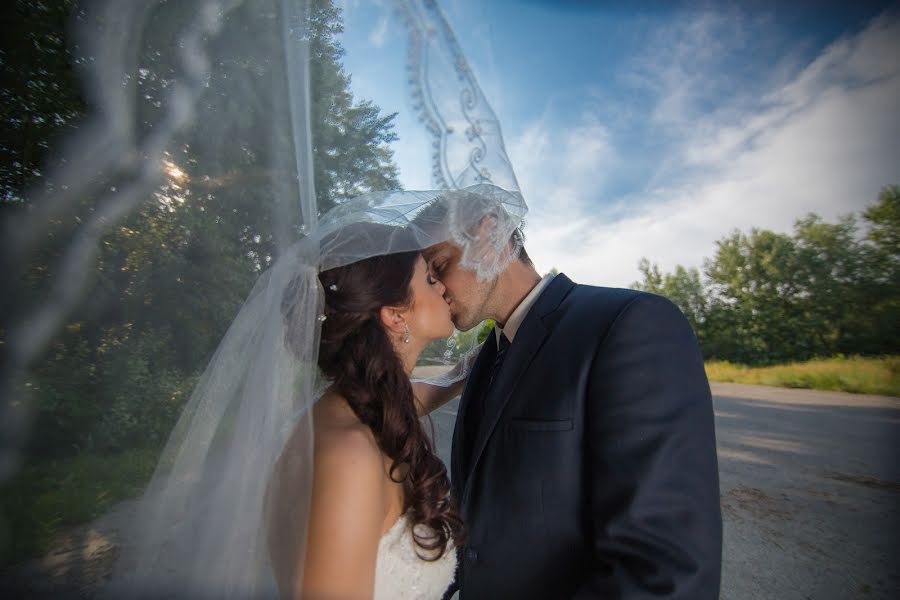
471 554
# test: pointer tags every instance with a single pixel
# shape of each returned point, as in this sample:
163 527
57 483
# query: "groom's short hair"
433 218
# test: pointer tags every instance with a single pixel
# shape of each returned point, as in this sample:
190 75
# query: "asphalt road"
810 486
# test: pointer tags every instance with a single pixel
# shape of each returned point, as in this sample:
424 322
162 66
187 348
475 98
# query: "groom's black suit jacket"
593 473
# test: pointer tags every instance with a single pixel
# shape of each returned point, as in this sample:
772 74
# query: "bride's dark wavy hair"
356 352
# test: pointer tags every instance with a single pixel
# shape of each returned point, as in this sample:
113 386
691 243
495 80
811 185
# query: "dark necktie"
495 369
477 410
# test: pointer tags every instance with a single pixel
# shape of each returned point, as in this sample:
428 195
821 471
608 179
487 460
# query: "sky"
654 129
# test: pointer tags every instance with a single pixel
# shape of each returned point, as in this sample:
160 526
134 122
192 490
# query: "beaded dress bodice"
400 574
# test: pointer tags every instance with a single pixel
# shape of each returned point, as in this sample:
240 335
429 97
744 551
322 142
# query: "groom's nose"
442 289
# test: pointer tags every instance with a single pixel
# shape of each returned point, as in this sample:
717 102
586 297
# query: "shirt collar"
518 315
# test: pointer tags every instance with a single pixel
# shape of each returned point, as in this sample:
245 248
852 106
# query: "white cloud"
824 141
557 165
378 35
686 63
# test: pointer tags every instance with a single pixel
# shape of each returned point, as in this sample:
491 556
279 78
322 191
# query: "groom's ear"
393 318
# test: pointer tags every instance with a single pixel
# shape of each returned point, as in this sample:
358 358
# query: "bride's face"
429 315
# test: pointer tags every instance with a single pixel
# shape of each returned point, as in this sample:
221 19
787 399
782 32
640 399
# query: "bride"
300 467
381 522
269 485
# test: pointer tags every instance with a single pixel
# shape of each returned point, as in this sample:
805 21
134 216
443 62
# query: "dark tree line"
172 275
826 289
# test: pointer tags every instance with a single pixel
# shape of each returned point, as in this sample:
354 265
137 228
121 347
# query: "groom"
584 453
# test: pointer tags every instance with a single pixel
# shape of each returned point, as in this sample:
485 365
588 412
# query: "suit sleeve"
655 518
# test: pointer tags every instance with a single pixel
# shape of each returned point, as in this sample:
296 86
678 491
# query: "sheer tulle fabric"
222 506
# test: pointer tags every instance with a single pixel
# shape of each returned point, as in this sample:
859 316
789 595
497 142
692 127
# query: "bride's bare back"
353 503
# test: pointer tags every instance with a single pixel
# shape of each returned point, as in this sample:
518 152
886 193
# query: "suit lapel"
470 393
528 341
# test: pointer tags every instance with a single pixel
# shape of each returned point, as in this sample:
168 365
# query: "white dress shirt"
518 315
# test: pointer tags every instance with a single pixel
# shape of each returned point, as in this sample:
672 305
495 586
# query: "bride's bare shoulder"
348 503
341 439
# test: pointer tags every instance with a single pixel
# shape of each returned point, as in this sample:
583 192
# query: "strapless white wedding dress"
401 575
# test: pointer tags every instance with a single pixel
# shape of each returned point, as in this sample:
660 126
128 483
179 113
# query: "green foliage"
34 110
757 284
484 330
882 266
436 353
683 287
350 140
884 220
768 298
173 274
148 393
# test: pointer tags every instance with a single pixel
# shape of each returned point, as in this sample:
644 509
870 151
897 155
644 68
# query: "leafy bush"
145 393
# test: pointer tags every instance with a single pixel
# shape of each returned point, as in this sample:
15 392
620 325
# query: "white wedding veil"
206 521
221 506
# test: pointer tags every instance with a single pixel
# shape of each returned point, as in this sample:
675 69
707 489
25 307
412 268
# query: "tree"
884 221
39 96
834 278
881 259
768 297
172 275
350 141
683 287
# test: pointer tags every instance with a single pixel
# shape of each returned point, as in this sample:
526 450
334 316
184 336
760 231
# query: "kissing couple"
583 456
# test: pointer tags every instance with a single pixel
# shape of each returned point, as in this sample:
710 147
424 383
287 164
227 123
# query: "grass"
46 497
855 374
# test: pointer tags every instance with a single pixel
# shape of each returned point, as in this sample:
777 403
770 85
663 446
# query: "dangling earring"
406 338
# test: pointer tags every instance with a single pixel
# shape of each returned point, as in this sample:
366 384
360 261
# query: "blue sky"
654 131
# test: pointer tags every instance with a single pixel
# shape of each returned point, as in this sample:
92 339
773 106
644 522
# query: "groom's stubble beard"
467 314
